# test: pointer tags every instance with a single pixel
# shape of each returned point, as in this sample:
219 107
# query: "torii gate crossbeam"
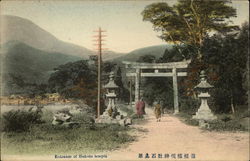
139 67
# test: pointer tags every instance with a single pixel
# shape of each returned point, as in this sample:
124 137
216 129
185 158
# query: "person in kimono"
157 111
140 108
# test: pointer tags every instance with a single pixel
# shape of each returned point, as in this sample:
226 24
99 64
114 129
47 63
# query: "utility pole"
99 40
130 93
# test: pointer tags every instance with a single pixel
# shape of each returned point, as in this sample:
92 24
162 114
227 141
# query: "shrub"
136 116
20 120
84 120
126 109
184 115
225 117
227 122
192 122
232 125
189 105
187 118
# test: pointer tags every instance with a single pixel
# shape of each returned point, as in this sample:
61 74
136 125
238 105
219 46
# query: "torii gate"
174 66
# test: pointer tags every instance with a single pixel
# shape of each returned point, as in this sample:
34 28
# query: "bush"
84 120
187 118
192 122
189 105
136 116
232 125
225 117
126 109
227 122
19 120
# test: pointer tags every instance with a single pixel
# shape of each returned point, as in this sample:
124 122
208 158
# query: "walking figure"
140 108
157 111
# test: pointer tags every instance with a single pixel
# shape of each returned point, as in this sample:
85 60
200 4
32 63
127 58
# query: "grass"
231 125
127 109
231 122
48 139
187 118
225 122
139 120
131 114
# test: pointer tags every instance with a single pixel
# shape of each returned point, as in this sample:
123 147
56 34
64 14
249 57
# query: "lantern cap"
111 83
203 84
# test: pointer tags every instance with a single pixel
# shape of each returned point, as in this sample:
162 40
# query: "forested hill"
30 64
134 55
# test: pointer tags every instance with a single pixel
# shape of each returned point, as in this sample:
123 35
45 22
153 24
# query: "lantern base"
204 112
118 120
113 116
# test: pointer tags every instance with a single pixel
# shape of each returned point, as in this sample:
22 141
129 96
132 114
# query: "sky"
75 21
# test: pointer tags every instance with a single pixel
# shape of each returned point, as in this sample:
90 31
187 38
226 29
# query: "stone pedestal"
113 118
204 112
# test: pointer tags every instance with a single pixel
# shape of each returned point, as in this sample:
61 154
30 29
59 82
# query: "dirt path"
171 136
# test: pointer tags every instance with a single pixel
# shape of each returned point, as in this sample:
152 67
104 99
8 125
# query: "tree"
189 22
177 53
146 59
75 80
123 93
226 59
225 62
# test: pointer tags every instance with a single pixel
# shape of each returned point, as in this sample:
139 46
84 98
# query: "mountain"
29 53
30 64
156 51
110 55
23 30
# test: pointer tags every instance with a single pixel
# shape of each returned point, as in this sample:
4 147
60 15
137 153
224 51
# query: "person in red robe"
140 108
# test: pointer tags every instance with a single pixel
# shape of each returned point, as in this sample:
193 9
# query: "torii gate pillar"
137 84
175 88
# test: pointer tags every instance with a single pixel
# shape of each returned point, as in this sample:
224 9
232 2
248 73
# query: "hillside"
30 64
156 51
23 30
29 53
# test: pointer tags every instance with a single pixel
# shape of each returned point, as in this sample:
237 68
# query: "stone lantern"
204 113
111 115
111 95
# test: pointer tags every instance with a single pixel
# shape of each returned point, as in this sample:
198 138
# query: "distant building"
92 59
53 96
